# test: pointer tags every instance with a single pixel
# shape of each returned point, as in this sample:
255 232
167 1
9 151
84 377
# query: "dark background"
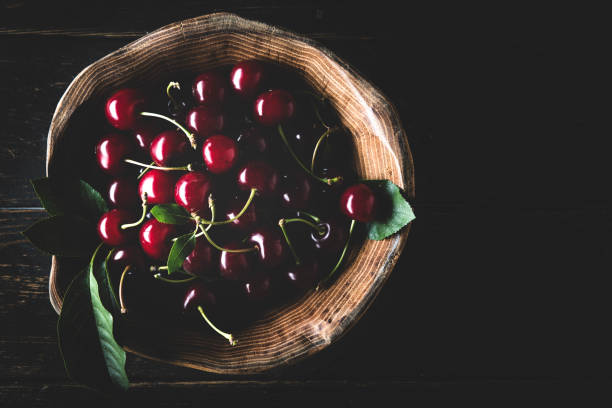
503 288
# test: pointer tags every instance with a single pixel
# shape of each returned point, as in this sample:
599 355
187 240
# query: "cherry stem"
315 227
161 278
142 217
146 169
173 85
328 181
211 205
313 217
228 336
121 303
319 99
281 224
150 166
230 220
220 248
316 148
329 275
189 135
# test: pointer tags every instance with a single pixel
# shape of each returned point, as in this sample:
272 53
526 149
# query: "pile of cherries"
264 175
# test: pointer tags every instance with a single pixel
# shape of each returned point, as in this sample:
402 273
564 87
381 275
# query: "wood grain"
314 322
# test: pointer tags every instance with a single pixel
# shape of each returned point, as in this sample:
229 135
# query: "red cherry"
270 244
156 239
202 260
192 190
170 148
123 193
253 141
295 190
247 77
109 227
258 288
273 107
358 202
159 186
205 120
304 276
145 134
111 151
220 153
247 219
123 256
332 239
209 88
236 265
123 108
199 294
259 175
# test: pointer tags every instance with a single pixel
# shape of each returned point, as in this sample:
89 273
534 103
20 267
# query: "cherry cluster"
261 173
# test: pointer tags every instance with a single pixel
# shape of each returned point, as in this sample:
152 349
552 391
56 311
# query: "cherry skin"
270 243
304 276
259 175
202 260
123 256
295 190
220 153
123 108
273 107
144 135
111 151
199 294
247 77
236 266
333 238
158 185
192 190
205 120
253 141
156 239
248 219
257 288
358 202
109 227
170 148
209 88
123 193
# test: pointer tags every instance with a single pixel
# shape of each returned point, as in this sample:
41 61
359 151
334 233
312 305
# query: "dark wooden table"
504 286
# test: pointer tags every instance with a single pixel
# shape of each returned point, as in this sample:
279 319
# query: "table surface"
503 287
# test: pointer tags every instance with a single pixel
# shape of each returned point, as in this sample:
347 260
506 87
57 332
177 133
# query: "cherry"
205 120
257 288
253 140
220 153
202 260
109 227
123 193
273 107
270 243
123 108
170 148
236 265
156 239
111 151
247 77
304 276
209 88
199 294
358 202
158 186
332 239
259 175
247 219
295 190
145 134
192 190
123 256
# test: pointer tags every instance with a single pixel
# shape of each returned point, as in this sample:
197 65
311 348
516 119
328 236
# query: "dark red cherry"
203 259
304 276
248 219
236 266
259 175
295 190
123 256
144 135
271 246
257 288
209 88
123 108
358 202
273 107
159 186
199 294
123 193
109 227
220 153
253 141
332 239
247 77
205 120
170 148
192 190
111 151
156 239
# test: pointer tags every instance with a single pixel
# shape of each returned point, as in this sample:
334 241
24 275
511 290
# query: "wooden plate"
317 319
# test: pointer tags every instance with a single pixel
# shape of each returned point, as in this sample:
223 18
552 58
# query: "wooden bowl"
319 318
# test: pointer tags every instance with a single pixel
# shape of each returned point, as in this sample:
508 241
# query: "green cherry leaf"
69 196
90 352
170 214
397 212
99 268
63 235
180 250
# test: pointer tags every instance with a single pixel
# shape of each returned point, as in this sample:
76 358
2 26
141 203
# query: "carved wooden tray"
317 319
